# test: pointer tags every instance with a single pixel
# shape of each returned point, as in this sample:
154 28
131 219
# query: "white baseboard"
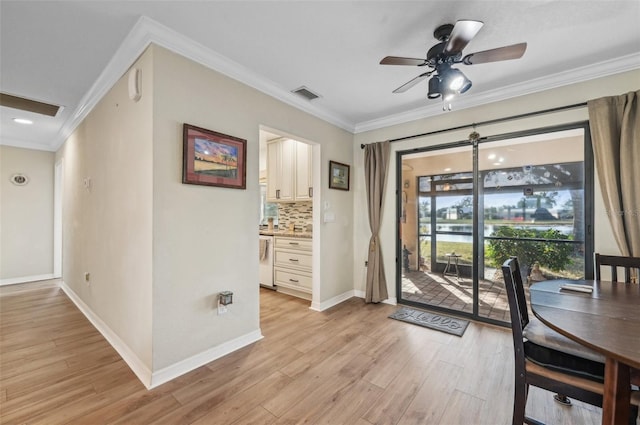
24 279
332 301
144 374
137 366
187 365
392 300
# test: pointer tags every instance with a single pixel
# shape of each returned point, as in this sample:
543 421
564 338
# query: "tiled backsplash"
298 213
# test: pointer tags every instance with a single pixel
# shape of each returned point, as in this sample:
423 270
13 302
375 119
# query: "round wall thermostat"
19 179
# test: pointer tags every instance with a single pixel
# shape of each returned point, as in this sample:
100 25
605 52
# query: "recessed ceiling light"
497 163
492 156
501 159
22 121
447 169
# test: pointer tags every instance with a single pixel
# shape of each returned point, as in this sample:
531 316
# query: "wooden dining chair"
614 261
544 358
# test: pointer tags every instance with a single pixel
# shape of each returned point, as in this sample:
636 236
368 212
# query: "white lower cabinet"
292 266
294 279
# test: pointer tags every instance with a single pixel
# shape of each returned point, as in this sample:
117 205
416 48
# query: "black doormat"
439 322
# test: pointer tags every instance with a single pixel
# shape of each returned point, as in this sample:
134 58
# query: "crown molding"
147 31
131 48
577 75
184 46
27 145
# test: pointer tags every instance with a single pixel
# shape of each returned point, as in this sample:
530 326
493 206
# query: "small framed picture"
338 176
213 159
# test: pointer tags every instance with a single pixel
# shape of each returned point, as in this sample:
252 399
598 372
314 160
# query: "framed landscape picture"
338 176
213 159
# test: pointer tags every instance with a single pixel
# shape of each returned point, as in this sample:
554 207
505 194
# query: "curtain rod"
493 121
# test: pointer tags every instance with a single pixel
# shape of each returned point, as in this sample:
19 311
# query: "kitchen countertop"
286 233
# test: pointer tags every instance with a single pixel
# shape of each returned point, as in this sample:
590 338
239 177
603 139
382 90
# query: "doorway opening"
289 220
466 207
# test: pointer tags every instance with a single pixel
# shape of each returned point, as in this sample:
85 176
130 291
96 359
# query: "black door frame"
588 208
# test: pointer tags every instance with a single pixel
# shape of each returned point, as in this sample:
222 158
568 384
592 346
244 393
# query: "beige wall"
26 215
567 95
205 239
159 251
107 225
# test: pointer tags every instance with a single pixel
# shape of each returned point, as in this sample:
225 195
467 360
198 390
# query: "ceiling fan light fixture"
457 81
434 87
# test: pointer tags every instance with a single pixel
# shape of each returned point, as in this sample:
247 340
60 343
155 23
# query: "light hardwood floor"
348 365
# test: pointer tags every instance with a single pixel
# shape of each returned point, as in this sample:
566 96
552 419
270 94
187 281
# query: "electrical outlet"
222 309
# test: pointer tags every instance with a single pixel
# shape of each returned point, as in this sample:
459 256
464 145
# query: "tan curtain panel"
615 132
376 162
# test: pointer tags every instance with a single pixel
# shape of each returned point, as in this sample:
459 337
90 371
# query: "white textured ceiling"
56 51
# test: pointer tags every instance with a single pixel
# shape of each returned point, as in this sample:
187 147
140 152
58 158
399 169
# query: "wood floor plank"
348 365
462 408
243 403
406 383
208 394
348 405
431 400
82 405
121 408
325 372
150 412
102 375
33 411
257 416
393 360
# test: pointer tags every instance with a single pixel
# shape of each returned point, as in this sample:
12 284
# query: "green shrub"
551 255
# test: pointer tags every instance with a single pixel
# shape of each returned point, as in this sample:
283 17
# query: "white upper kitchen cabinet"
289 173
281 156
304 174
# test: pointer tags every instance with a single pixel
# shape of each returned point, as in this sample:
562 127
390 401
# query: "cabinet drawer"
291 258
294 243
293 280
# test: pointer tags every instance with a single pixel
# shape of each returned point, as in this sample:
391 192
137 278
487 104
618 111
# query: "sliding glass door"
464 209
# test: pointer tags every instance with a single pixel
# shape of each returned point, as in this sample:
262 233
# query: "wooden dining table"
607 321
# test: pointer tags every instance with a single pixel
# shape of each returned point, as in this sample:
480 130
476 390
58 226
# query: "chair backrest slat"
613 261
516 298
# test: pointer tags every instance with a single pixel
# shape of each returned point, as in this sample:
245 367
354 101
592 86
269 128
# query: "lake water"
489 229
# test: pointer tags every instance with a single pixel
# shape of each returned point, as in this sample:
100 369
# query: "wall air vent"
306 93
29 105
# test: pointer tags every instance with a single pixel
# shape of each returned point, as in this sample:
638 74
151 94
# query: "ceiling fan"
448 81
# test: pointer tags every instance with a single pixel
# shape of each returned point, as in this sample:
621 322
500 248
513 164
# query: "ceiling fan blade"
461 35
397 60
515 51
406 86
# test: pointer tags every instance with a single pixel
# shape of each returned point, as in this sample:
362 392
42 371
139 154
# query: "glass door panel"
436 228
531 196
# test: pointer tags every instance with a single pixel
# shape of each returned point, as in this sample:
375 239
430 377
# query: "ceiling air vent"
29 105
306 93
